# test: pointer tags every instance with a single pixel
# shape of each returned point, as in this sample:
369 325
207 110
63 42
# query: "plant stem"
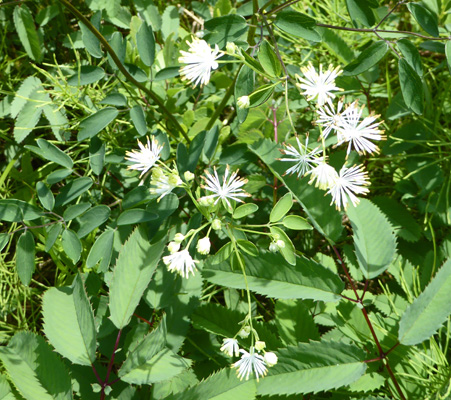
110 366
156 99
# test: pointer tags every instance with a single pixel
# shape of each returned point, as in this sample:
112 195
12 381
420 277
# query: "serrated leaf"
5 389
313 367
244 210
35 369
72 190
425 18
297 223
366 59
25 253
56 118
92 219
22 95
222 385
45 196
24 23
93 124
30 114
305 280
268 59
146 44
297 24
428 312
281 208
68 323
102 249
71 245
139 119
217 319
134 268
411 86
372 232
288 251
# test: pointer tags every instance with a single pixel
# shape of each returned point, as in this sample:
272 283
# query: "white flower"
201 59
181 262
243 102
350 181
318 86
230 347
305 160
203 246
324 174
273 248
173 247
357 132
230 188
270 358
330 118
164 182
145 158
250 363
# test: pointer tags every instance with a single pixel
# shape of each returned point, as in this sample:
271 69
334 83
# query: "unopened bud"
260 345
179 237
244 332
173 247
216 224
189 176
231 48
270 358
243 102
203 246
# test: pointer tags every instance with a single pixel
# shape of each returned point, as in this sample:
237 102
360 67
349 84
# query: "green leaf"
45 196
324 218
25 253
72 190
305 280
297 223
35 369
411 54
30 114
221 385
134 268
92 219
22 95
115 99
372 232
281 208
228 28
334 41
86 75
429 310
448 54
101 250
69 323
10 212
261 95
28 212
75 210
135 216
411 86
118 45
93 124
96 155
139 119
313 367
166 73
58 175
366 59
24 23
5 389
268 59
56 118
243 87
288 251
91 42
244 210
360 10
248 247
71 245
52 153
52 234
4 239
425 18
297 24
146 44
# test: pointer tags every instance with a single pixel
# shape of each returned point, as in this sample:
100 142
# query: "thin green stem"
156 99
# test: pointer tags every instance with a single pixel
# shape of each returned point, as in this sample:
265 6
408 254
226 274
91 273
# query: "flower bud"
273 248
173 247
270 358
205 201
216 224
243 102
260 345
244 332
280 244
179 237
231 48
189 176
203 245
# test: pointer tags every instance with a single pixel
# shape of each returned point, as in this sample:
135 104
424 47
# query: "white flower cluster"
250 362
346 121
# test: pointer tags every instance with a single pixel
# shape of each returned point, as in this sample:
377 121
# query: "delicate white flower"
243 102
260 345
273 248
201 59
216 224
324 174
330 118
164 182
305 160
244 332
280 244
357 132
251 362
230 188
203 245
173 247
145 158
350 181
270 358
179 237
318 85
230 347
181 262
